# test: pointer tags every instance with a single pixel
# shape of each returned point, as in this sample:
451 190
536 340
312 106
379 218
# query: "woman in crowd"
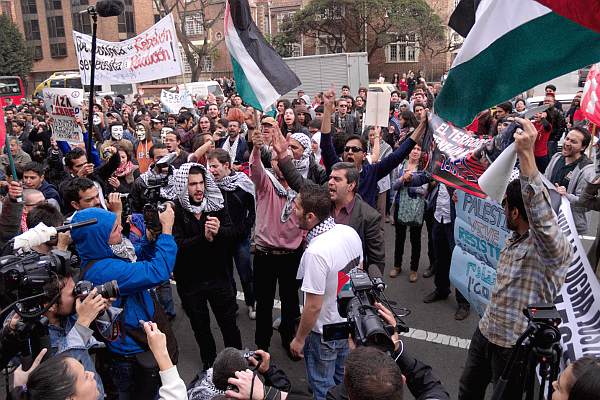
409 206
127 172
290 123
206 126
544 128
282 105
579 381
520 106
575 116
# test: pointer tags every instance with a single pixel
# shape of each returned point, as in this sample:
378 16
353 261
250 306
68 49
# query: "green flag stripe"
243 86
533 53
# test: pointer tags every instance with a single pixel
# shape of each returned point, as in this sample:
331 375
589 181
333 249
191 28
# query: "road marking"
418 334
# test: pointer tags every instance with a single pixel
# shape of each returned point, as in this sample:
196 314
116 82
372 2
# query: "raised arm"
327 149
290 173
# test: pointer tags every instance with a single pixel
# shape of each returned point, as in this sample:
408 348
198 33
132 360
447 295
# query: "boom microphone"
110 8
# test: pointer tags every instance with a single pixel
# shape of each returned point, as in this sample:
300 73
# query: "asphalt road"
435 337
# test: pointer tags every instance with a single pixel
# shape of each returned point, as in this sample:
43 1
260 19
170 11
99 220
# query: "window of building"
328 45
336 11
284 17
56 26
58 50
207 64
32 29
53 5
404 50
294 49
76 3
194 24
127 23
28 7
82 23
37 53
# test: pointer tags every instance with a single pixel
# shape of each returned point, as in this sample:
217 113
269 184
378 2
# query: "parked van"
200 89
72 80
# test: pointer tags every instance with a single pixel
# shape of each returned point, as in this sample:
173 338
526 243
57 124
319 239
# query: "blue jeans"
241 256
132 381
324 363
165 296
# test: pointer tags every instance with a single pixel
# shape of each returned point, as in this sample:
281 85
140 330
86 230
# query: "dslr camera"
107 290
156 181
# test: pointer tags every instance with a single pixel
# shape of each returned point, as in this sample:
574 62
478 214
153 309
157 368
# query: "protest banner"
480 233
64 106
172 102
378 109
450 150
154 54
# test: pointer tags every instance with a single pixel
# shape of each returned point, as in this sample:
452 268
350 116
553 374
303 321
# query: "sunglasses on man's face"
352 149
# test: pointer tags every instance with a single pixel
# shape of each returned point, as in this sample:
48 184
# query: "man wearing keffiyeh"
205 236
238 193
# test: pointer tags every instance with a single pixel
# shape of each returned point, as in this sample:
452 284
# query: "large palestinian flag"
261 76
513 45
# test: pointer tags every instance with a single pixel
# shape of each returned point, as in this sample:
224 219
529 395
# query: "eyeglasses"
343 105
352 149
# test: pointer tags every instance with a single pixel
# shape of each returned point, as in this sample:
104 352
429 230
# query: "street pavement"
435 337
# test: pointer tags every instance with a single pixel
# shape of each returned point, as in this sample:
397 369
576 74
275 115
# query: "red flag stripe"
584 12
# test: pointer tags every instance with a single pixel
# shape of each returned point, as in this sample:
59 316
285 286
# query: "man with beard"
332 252
234 144
204 229
355 152
238 193
570 170
106 255
531 269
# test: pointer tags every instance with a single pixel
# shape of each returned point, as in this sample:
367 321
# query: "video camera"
155 203
356 303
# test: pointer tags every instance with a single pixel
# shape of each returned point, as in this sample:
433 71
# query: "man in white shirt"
332 252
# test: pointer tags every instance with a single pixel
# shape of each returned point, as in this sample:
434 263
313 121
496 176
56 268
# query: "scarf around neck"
231 148
236 180
303 164
213 199
319 229
289 194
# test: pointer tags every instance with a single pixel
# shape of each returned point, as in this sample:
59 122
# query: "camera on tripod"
154 201
356 303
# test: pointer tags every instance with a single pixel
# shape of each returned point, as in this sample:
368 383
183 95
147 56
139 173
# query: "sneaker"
252 312
428 273
395 271
412 277
435 296
462 312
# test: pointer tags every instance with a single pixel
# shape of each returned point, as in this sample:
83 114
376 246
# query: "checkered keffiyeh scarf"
213 199
303 164
321 227
236 180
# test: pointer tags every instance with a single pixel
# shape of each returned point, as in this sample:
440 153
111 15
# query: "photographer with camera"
332 251
531 269
62 377
228 377
105 256
374 373
137 197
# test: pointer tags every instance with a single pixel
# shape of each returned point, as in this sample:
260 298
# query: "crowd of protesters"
290 198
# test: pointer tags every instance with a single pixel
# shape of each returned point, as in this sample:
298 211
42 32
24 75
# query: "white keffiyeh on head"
303 163
213 199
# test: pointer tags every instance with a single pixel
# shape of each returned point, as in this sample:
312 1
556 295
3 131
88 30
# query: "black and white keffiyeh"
303 163
288 193
213 199
320 228
236 180
205 390
231 148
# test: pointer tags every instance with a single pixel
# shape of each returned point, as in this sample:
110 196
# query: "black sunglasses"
353 149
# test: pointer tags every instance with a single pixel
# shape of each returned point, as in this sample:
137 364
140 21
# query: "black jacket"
420 380
199 260
241 208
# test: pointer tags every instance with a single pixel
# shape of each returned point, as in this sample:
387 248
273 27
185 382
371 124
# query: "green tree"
15 56
363 25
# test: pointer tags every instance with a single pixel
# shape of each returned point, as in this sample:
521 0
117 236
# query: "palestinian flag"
512 46
261 76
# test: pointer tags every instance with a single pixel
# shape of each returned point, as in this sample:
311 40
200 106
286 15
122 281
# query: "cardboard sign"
65 105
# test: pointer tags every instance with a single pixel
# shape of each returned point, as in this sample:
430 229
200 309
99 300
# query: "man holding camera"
105 256
531 269
333 251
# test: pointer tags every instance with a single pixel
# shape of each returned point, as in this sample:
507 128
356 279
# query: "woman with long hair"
574 115
282 105
125 174
407 198
290 123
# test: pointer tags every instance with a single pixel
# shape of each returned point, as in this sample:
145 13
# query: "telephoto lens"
107 290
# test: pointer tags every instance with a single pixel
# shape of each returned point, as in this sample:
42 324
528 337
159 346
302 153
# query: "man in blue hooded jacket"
113 257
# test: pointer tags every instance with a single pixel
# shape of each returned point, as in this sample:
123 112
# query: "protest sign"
154 54
173 102
480 233
64 106
450 150
378 109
